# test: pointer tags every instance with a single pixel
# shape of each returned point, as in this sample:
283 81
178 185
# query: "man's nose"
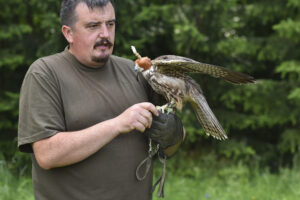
104 33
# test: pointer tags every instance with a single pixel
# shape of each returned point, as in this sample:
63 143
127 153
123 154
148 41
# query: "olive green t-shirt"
60 94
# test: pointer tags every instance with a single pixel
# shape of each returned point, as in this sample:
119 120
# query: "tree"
255 37
29 29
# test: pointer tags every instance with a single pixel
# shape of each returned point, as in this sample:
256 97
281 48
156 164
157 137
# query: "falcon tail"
205 115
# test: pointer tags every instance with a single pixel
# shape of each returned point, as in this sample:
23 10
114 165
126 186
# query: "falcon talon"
160 108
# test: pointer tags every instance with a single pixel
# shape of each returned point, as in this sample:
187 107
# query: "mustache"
103 42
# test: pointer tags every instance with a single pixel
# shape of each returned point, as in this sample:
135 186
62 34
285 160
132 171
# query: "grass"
12 187
234 183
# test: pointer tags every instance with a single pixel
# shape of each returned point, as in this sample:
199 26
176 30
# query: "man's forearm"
66 148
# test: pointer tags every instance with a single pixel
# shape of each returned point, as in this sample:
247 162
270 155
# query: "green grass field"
235 183
14 188
265 186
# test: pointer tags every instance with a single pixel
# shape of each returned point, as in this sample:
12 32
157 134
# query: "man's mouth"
103 44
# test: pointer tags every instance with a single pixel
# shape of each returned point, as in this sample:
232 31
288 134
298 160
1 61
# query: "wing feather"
207 118
204 114
170 63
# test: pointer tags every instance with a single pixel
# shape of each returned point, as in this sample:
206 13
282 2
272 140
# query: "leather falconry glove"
167 131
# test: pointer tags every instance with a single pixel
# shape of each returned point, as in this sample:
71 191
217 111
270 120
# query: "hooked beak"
137 68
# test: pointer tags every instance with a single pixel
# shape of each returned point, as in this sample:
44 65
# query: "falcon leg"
169 107
162 108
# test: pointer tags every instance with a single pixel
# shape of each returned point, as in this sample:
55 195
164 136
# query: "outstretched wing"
207 118
204 114
169 64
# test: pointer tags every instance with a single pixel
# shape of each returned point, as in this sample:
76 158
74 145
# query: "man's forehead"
101 14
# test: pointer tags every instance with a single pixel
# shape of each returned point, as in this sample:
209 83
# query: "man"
82 112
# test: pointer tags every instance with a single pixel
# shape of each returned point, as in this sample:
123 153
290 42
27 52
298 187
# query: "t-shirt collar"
82 66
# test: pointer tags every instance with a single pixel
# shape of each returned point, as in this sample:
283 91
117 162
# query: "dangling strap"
147 161
161 180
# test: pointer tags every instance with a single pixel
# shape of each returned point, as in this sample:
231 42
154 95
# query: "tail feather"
206 117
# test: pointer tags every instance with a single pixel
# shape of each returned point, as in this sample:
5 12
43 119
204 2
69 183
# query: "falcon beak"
137 68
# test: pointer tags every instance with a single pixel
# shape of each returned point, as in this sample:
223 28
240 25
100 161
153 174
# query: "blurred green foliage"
256 37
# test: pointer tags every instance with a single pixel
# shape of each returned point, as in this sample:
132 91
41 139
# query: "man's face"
93 34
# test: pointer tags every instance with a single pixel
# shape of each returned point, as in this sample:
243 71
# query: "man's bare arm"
66 148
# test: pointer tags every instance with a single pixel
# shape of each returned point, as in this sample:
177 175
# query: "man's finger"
150 107
148 116
140 127
144 121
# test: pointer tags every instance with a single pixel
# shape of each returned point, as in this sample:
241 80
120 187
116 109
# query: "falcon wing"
207 118
176 64
203 112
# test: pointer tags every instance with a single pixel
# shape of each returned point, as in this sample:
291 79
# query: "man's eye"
110 24
92 26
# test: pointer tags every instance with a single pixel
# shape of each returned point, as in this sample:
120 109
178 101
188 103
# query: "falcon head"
142 64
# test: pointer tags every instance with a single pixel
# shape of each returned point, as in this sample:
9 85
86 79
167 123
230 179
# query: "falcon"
168 76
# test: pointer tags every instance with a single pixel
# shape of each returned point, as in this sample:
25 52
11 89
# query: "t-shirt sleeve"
40 108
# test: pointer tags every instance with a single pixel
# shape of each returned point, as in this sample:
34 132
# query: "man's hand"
138 116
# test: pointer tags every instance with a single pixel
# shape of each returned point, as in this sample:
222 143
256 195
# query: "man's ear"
68 33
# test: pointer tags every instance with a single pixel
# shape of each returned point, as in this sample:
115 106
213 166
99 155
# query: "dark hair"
67 13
